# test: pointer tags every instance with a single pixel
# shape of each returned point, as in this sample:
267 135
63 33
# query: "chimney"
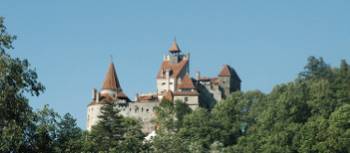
97 97
198 75
94 91
137 97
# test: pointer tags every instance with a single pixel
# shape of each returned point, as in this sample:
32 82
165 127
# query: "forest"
309 114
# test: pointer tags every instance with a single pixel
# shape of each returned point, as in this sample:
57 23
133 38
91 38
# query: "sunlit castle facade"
174 83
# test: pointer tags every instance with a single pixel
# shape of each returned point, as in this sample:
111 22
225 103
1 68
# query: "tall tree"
17 79
114 132
69 135
46 130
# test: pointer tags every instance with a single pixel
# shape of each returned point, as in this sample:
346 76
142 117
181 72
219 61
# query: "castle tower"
174 67
229 81
111 92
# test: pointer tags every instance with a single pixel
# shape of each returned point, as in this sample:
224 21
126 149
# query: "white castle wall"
141 111
165 84
92 116
191 101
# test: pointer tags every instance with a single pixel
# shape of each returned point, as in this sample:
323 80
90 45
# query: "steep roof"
175 69
228 71
111 80
186 83
174 47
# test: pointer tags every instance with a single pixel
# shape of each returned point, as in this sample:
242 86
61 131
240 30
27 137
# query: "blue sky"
267 42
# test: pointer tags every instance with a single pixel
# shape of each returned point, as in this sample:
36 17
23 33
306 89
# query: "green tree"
115 133
170 115
46 130
200 129
17 79
316 68
69 135
169 143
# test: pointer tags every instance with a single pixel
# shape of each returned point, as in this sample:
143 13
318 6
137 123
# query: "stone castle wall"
141 111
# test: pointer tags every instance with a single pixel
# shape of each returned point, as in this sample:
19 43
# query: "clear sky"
267 42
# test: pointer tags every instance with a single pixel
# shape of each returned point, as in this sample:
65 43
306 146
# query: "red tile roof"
228 71
192 93
186 83
111 81
147 98
175 69
225 71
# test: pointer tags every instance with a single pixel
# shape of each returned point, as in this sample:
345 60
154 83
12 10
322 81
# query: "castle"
173 83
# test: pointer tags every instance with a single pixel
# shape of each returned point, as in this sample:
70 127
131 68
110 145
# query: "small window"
186 99
163 83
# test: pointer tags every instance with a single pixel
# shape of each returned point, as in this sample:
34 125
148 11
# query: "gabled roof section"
186 83
228 71
111 80
175 69
174 47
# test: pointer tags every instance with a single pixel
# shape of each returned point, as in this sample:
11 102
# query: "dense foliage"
115 133
309 114
22 129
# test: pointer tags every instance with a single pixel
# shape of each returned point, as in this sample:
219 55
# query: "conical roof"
174 47
111 80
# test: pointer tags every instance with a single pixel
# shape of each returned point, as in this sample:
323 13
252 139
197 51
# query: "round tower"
111 92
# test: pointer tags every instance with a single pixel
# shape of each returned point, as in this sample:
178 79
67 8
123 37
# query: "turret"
229 81
111 92
174 67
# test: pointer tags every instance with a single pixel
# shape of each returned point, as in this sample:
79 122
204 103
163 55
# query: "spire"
174 47
111 81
